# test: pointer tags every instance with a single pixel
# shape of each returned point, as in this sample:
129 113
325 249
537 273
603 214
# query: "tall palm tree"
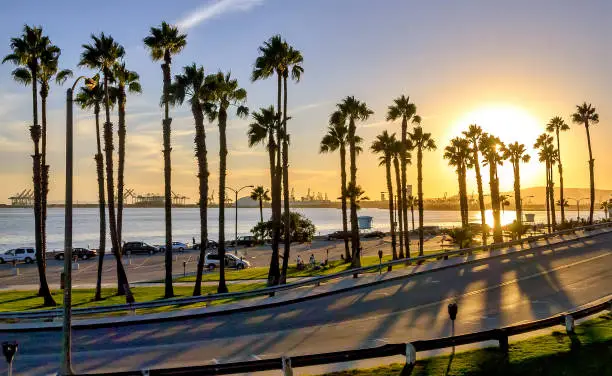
557 125
384 144
272 60
190 85
421 141
27 50
260 194
516 153
404 109
102 55
548 154
353 110
473 134
127 82
163 42
336 138
223 92
586 115
397 156
459 155
490 147
293 61
88 98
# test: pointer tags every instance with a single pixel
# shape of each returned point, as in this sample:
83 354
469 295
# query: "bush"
460 236
302 229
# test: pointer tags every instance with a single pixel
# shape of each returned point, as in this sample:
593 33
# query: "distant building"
25 198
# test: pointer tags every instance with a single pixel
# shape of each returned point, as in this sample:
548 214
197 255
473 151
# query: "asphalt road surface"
503 291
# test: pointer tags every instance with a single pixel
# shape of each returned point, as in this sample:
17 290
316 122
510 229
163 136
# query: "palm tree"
473 134
27 51
102 55
548 155
260 194
586 114
459 156
516 153
411 202
127 81
556 125
93 97
384 145
337 139
163 42
490 147
272 60
353 110
421 141
190 84
223 92
402 108
397 155
605 206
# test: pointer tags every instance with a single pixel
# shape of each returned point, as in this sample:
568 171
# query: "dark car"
139 247
247 241
374 234
211 245
82 253
339 235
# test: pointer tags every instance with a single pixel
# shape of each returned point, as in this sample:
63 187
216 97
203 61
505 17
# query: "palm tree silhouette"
586 115
556 125
190 85
102 55
260 194
352 110
402 108
384 144
473 134
421 141
27 52
163 42
223 92
261 130
490 147
548 154
516 153
397 156
459 156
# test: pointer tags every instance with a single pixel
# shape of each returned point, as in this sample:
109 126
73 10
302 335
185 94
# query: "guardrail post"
569 324
502 337
144 372
286 363
410 355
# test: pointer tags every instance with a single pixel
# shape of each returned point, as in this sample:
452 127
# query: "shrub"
460 236
302 228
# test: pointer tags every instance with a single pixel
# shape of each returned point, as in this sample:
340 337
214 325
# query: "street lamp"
578 203
236 219
66 365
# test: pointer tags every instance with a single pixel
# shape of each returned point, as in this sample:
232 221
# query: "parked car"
211 245
339 235
176 246
247 241
139 247
27 255
82 253
373 234
231 261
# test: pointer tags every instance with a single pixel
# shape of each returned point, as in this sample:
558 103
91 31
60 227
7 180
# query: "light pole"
66 365
236 219
578 203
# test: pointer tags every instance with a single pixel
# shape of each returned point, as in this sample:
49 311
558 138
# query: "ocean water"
140 224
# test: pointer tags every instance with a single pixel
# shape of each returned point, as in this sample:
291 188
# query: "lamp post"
578 203
66 365
236 218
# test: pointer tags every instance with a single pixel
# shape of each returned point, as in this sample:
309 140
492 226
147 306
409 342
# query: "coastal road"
507 290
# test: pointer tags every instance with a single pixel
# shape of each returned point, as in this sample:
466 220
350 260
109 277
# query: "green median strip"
588 352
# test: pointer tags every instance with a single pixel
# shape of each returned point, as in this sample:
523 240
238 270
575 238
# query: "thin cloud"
215 9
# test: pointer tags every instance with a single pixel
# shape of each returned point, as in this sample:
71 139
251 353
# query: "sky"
509 66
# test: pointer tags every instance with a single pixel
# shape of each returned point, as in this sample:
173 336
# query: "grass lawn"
588 352
81 298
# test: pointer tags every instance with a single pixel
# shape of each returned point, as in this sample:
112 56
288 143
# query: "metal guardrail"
270 291
407 349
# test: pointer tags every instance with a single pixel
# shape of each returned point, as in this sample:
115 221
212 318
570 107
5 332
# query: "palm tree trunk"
355 244
548 197
404 196
495 203
517 193
461 195
287 249
347 252
122 282
591 175
200 142
403 226
391 206
101 205
274 271
168 290
121 162
420 196
553 214
222 170
44 91
464 197
260 210
561 195
412 215
481 203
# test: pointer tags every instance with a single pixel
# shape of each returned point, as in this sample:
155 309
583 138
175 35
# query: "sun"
510 123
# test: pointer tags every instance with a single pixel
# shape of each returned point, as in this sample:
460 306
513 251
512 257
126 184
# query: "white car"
27 255
176 246
212 261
